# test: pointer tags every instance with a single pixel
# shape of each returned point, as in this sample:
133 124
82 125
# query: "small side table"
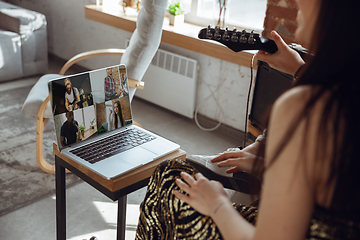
115 189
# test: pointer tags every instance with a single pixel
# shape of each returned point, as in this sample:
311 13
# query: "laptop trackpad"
138 156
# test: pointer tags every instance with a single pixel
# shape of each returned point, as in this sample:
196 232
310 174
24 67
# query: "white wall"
69 33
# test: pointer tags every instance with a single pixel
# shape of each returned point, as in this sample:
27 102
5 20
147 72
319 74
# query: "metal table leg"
60 200
121 224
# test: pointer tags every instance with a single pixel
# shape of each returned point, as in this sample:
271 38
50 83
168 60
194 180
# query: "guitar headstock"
238 41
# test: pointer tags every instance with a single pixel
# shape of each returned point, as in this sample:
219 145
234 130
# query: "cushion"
10 56
9 23
34 53
26 22
36 97
31 26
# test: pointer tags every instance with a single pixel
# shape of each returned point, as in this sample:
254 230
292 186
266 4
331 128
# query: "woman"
311 164
116 119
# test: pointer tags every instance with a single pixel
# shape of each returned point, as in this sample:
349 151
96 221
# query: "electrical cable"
248 99
220 119
221 114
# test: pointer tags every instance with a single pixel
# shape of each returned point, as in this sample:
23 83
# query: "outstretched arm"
67 106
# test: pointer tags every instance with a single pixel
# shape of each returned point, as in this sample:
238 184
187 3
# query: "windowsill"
184 37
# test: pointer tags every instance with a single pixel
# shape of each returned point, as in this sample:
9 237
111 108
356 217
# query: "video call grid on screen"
92 111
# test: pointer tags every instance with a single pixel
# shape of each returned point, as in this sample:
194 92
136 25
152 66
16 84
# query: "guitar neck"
238 41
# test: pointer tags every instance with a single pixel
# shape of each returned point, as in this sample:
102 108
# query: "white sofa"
23 42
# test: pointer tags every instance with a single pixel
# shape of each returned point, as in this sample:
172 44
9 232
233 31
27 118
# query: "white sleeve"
76 91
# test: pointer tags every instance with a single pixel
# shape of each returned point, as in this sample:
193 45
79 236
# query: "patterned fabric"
109 88
330 225
163 216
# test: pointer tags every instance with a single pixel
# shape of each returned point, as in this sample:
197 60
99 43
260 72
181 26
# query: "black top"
328 224
69 131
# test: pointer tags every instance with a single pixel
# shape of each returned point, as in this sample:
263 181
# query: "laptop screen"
90 103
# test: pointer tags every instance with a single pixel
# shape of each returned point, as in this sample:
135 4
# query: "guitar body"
238 41
80 104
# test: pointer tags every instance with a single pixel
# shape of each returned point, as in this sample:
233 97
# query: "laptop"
94 124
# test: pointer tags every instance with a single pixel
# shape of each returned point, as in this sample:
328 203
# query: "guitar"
238 41
80 103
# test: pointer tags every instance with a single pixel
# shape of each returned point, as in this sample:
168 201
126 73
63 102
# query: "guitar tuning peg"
209 35
243 38
226 36
234 37
251 38
217 35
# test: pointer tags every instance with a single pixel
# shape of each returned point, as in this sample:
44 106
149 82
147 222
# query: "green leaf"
175 9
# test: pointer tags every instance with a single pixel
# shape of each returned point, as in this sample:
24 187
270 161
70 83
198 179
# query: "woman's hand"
238 161
285 59
203 195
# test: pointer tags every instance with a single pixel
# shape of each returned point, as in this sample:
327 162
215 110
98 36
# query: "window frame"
192 18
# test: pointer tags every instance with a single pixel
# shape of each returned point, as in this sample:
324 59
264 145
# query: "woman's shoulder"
297 98
296 94
293 107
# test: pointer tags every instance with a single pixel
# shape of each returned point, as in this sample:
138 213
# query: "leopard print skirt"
163 216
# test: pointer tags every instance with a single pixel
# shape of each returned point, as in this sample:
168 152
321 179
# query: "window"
247 14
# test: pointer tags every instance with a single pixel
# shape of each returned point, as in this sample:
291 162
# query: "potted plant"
92 123
176 16
81 128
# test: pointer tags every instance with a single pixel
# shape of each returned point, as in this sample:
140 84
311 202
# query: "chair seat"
36 97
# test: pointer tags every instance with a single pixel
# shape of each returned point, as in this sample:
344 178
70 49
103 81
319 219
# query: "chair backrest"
145 40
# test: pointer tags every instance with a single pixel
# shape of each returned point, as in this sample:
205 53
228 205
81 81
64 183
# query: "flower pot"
176 20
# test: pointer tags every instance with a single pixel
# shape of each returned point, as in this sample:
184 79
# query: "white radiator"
170 82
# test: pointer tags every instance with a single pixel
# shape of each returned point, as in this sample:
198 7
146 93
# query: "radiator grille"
170 82
175 63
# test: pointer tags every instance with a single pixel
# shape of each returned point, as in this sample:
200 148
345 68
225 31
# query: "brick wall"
281 16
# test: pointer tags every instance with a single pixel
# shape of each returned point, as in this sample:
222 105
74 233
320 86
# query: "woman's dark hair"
334 69
120 114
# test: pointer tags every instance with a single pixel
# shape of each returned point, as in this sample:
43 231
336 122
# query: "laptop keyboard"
115 144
